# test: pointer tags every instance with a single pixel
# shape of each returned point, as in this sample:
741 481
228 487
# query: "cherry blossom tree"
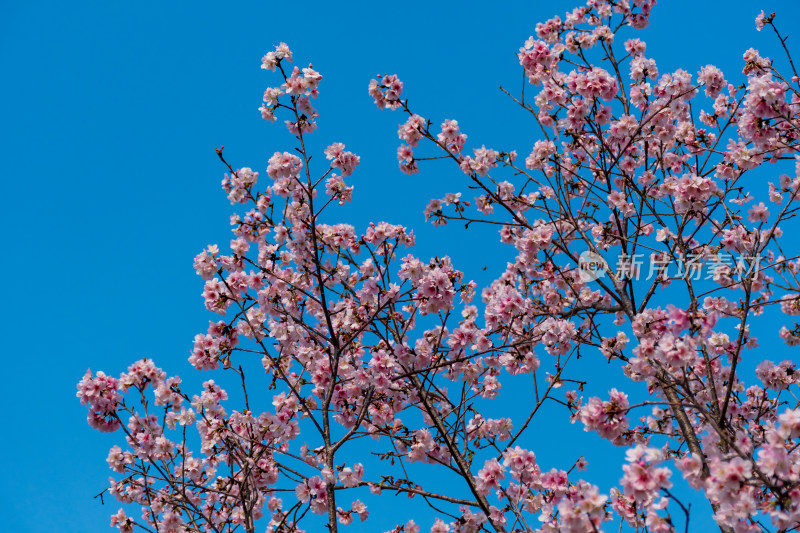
638 235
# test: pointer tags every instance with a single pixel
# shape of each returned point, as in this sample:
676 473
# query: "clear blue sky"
111 113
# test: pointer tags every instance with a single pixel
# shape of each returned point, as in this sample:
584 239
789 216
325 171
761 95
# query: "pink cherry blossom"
387 373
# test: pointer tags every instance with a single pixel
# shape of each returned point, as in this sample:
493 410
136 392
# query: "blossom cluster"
358 337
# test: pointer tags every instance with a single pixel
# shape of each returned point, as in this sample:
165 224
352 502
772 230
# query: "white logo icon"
591 266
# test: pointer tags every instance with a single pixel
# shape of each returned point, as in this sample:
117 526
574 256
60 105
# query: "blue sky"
111 114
